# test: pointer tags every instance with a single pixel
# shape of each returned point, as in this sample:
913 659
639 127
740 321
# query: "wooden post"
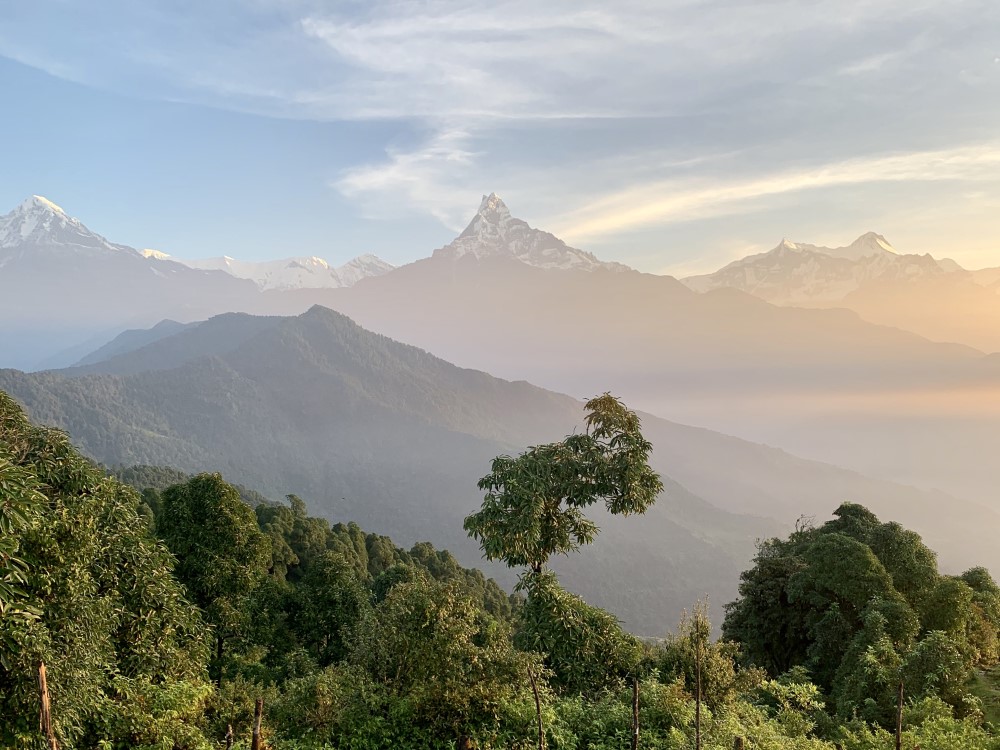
258 711
737 743
45 710
635 713
538 710
229 737
899 718
697 697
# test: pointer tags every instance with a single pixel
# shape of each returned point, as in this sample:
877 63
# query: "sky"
671 135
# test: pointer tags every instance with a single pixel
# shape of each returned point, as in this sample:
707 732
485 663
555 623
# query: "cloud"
598 117
432 179
667 202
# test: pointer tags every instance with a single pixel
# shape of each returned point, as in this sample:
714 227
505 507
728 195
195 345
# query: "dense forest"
166 607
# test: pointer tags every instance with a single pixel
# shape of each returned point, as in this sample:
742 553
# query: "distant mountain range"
936 298
796 273
517 302
62 284
290 273
371 430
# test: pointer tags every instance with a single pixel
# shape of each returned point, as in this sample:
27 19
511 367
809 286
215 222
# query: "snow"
494 232
39 223
310 272
795 272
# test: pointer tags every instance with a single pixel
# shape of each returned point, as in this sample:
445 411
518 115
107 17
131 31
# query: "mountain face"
290 273
61 283
374 431
801 274
40 226
935 298
494 233
815 381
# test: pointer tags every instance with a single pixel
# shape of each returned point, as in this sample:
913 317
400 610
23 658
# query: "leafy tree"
585 646
110 615
439 655
330 600
533 509
860 604
722 680
222 554
534 503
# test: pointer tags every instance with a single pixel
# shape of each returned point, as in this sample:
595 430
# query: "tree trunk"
635 713
899 718
229 737
45 710
538 710
697 697
258 711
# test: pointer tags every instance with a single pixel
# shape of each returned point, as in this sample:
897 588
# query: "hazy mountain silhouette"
390 436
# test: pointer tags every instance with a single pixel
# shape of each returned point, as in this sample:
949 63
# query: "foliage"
353 642
584 646
110 613
861 604
534 503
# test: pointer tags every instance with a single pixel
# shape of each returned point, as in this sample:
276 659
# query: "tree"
533 509
534 503
108 614
439 655
222 554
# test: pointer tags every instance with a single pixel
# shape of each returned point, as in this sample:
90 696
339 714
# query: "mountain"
290 273
797 273
935 298
132 339
494 233
388 435
62 283
38 225
815 381
519 303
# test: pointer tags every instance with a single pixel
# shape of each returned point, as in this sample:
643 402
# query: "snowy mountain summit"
39 223
291 273
494 232
799 273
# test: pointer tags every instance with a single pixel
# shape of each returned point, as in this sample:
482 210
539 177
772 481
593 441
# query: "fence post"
258 711
45 710
635 713
899 718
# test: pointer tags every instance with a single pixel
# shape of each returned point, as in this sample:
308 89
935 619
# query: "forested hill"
395 439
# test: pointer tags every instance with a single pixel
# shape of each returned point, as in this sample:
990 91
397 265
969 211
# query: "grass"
986 686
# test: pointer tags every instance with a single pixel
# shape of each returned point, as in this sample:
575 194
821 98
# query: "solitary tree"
534 508
534 503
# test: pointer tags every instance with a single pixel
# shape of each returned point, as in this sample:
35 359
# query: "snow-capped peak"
306 272
40 202
39 222
494 232
155 254
795 272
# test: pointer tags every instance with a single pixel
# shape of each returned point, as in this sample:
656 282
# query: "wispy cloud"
665 202
626 115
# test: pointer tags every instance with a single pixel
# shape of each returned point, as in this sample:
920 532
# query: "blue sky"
671 135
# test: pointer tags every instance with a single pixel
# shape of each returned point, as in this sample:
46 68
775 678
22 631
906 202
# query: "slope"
385 434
